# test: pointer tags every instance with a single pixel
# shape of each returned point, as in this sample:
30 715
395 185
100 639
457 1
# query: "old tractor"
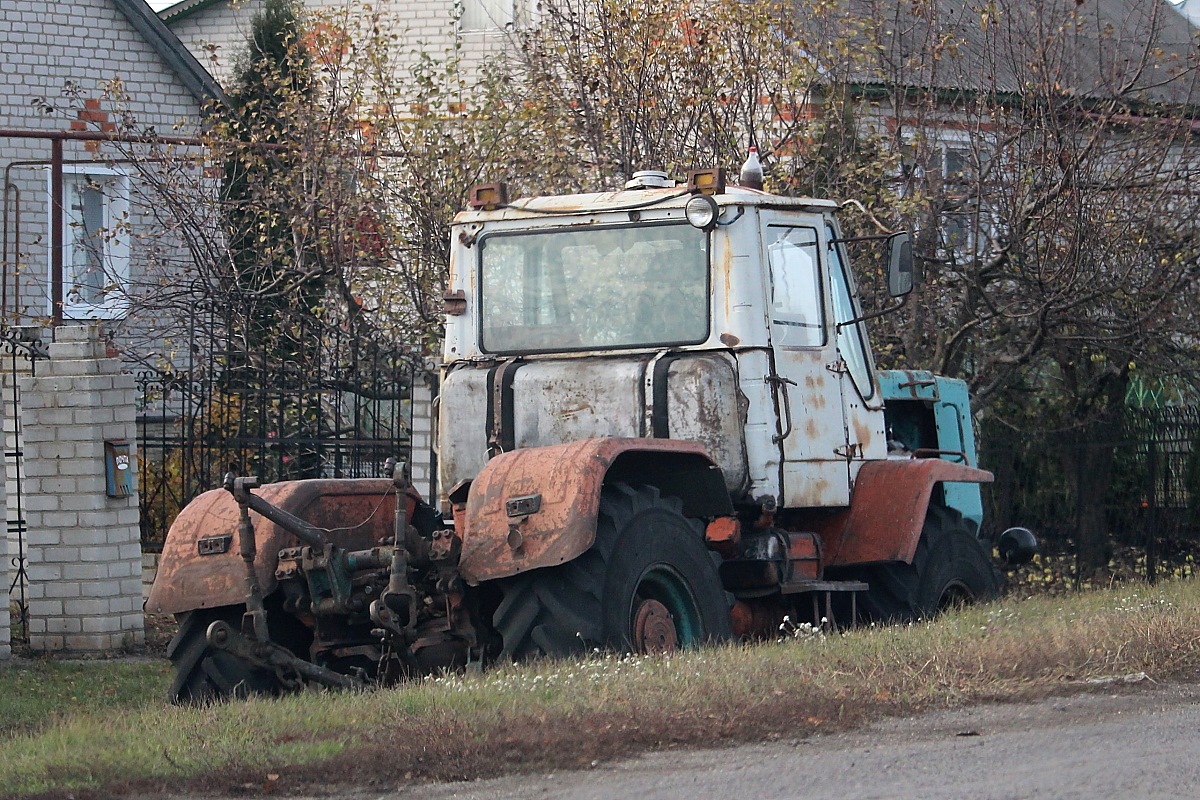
659 425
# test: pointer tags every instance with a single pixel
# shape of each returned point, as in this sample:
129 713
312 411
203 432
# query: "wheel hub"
654 629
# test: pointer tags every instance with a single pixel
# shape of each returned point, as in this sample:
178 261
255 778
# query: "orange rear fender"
361 512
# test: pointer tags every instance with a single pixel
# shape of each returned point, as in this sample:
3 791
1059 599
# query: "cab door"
806 381
862 400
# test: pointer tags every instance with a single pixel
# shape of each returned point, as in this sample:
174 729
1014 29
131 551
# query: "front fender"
503 538
887 509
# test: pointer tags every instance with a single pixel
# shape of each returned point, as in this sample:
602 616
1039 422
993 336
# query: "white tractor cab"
729 319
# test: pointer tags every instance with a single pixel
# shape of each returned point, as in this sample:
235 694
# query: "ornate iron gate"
328 404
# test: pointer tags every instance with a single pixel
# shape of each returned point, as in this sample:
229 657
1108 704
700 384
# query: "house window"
487 15
95 262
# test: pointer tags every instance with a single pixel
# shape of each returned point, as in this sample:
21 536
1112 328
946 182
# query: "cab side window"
851 339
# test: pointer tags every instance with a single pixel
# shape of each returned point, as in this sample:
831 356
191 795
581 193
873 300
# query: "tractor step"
826 588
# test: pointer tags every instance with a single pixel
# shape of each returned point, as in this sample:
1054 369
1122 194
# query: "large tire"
204 675
648 583
950 568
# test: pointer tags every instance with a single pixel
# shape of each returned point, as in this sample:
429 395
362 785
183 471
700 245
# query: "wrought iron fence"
22 349
1127 492
328 404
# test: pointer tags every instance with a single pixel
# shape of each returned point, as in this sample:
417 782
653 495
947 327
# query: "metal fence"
20 351
324 403
1123 495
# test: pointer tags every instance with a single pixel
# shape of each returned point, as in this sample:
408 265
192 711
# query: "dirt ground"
1109 742
159 630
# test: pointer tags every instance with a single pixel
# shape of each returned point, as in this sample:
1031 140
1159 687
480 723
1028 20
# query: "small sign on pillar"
118 468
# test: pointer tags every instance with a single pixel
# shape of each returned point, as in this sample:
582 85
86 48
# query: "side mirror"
900 264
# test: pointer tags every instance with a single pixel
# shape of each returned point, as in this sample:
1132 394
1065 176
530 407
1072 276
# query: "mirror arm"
873 314
872 238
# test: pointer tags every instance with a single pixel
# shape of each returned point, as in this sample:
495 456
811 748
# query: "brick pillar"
84 548
420 465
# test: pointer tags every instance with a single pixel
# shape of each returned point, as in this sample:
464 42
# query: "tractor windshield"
593 288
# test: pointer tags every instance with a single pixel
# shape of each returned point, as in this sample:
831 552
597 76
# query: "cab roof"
634 199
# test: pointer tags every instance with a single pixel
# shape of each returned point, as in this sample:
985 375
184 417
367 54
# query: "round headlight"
702 212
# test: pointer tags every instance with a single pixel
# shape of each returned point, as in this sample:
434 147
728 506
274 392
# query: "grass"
36 695
104 730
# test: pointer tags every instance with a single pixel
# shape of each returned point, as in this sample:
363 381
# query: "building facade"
216 31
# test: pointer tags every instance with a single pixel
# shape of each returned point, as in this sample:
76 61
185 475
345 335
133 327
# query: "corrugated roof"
1140 50
186 8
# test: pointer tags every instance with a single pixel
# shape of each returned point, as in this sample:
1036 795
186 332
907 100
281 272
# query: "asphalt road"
1119 742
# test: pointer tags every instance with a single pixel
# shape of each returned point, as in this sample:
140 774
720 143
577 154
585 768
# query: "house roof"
1138 50
193 75
185 8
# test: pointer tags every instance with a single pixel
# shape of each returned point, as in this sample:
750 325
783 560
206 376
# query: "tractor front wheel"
662 592
950 568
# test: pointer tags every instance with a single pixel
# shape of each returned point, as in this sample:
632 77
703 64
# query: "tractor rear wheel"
206 675
950 568
648 584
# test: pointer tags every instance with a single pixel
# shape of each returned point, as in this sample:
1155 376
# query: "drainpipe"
56 231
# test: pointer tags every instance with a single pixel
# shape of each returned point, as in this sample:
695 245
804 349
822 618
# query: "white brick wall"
421 458
217 34
83 547
43 46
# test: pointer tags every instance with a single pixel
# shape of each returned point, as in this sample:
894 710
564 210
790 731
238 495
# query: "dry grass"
571 713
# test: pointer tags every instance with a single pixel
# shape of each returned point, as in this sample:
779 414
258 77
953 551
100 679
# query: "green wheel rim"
663 584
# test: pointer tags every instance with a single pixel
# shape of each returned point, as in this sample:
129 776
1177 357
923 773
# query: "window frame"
782 319
468 25
116 257
481 246
840 270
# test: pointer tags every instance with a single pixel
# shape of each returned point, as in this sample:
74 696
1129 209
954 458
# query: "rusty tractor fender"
538 506
887 509
201 567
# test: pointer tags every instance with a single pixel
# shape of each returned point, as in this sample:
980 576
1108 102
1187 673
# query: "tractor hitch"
291 671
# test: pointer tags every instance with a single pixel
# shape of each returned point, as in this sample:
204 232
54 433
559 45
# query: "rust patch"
725 275
729 340
887 509
813 492
358 512
568 477
863 435
571 409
